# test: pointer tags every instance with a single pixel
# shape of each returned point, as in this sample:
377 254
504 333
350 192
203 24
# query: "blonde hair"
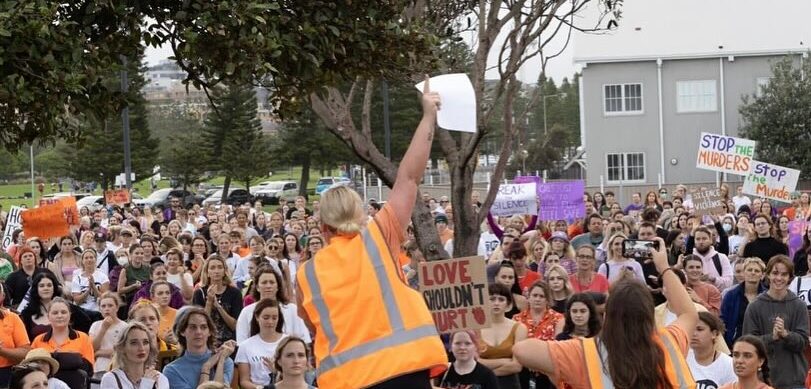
754 261
342 210
567 286
120 353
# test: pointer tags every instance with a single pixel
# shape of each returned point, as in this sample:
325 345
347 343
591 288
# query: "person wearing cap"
13 340
41 360
445 233
105 258
559 245
127 238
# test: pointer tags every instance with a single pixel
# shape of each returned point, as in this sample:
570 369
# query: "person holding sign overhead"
371 329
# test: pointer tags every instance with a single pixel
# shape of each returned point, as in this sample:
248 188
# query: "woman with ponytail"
629 352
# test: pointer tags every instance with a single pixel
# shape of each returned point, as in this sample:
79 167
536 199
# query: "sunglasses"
273 247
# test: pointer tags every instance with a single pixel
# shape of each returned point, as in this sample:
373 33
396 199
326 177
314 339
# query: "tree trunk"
465 218
305 176
225 187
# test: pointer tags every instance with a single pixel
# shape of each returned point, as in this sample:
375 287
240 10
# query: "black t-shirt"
480 378
764 248
231 301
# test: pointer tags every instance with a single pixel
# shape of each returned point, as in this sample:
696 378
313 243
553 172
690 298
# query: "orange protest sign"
117 197
46 221
71 211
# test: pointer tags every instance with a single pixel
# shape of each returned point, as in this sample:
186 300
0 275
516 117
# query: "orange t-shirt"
167 320
568 356
12 334
390 229
80 344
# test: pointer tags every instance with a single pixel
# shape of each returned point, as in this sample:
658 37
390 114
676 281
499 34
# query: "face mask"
727 227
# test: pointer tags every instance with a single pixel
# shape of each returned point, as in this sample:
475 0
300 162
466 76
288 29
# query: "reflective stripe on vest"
398 337
596 361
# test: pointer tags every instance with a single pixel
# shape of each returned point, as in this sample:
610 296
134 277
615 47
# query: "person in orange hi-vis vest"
630 352
371 329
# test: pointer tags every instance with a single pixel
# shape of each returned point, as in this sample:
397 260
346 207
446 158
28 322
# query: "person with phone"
630 351
618 264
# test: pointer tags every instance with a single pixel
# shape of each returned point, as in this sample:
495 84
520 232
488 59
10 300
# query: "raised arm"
409 174
679 300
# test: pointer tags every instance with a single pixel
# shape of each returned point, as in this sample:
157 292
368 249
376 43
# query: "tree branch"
366 124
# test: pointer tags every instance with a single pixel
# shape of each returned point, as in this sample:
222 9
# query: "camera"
638 249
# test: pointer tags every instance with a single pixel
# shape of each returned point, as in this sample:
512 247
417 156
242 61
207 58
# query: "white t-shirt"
488 243
80 284
740 201
293 324
251 351
612 269
714 375
108 380
241 274
174 279
801 286
107 342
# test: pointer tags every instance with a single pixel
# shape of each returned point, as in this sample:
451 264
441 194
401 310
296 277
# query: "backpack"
716 260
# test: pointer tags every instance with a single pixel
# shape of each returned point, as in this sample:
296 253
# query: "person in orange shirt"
630 351
700 292
61 337
14 342
445 233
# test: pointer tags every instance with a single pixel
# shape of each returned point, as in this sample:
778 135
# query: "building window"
625 167
762 82
622 98
696 96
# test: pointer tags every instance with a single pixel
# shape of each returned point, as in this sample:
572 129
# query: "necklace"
585 285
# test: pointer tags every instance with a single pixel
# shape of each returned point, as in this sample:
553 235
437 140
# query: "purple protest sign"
796 230
562 200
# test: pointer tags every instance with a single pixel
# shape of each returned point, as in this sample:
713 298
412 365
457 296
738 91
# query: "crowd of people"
322 294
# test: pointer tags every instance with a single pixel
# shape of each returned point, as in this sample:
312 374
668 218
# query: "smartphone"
638 249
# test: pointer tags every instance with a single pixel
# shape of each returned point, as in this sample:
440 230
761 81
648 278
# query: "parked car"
325 182
92 202
162 196
274 192
236 196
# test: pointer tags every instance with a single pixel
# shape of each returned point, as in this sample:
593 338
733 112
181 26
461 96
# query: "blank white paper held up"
458 110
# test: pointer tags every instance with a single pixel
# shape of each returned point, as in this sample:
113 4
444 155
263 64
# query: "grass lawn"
12 194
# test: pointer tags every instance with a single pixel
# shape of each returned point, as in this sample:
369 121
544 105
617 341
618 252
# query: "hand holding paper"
430 100
458 101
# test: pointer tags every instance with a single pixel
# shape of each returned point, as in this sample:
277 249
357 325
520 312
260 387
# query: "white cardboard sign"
458 110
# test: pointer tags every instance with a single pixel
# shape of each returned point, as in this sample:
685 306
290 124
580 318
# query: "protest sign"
771 181
516 199
117 197
45 222
458 111
725 154
796 231
48 200
562 200
455 291
707 201
12 223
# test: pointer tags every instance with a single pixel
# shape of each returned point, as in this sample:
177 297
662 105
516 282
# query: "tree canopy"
778 117
54 54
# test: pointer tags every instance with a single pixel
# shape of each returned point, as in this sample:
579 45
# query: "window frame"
624 167
681 110
624 111
759 85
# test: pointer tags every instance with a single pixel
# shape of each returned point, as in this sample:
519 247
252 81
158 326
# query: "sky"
558 68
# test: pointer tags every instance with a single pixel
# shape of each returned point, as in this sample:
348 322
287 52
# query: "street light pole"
562 94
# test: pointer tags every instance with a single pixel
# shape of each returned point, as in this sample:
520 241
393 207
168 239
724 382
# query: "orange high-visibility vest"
370 326
678 373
